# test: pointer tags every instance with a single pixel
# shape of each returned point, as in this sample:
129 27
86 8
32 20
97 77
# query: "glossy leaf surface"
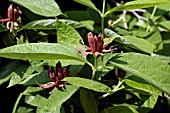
89 84
49 24
131 41
148 68
59 96
87 3
67 35
136 5
144 87
48 8
41 51
120 109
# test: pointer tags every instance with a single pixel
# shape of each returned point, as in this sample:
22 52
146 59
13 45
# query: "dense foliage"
85 56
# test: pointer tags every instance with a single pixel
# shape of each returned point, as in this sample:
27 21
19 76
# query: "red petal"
48 85
12 26
16 15
10 12
92 42
66 71
4 20
52 90
58 67
100 43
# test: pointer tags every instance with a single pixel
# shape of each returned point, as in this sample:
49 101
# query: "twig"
124 19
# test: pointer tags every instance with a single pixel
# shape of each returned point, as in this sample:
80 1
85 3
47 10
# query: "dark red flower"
56 77
13 15
97 46
121 73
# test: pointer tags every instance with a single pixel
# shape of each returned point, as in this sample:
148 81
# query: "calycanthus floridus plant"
84 60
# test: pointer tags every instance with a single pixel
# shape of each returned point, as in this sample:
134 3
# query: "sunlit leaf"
150 102
67 35
37 100
119 109
87 3
48 8
144 87
146 67
41 51
165 24
49 24
59 96
24 110
136 5
131 41
87 83
31 89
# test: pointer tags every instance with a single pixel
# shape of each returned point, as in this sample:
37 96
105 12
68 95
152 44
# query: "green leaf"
164 7
87 101
58 109
144 87
48 8
89 24
3 28
150 102
72 23
87 83
7 69
41 51
77 15
155 38
31 89
37 65
67 35
16 76
38 100
87 3
24 110
136 5
164 58
131 41
8 39
119 109
152 70
59 96
37 78
49 24
165 24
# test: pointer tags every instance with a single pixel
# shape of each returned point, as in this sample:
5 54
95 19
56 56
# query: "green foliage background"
52 31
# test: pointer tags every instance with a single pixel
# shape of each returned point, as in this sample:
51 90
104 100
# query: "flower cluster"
97 46
56 77
13 15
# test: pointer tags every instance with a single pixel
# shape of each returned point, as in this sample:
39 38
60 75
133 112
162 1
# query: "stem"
124 19
152 15
118 20
114 90
95 67
16 103
102 16
154 11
